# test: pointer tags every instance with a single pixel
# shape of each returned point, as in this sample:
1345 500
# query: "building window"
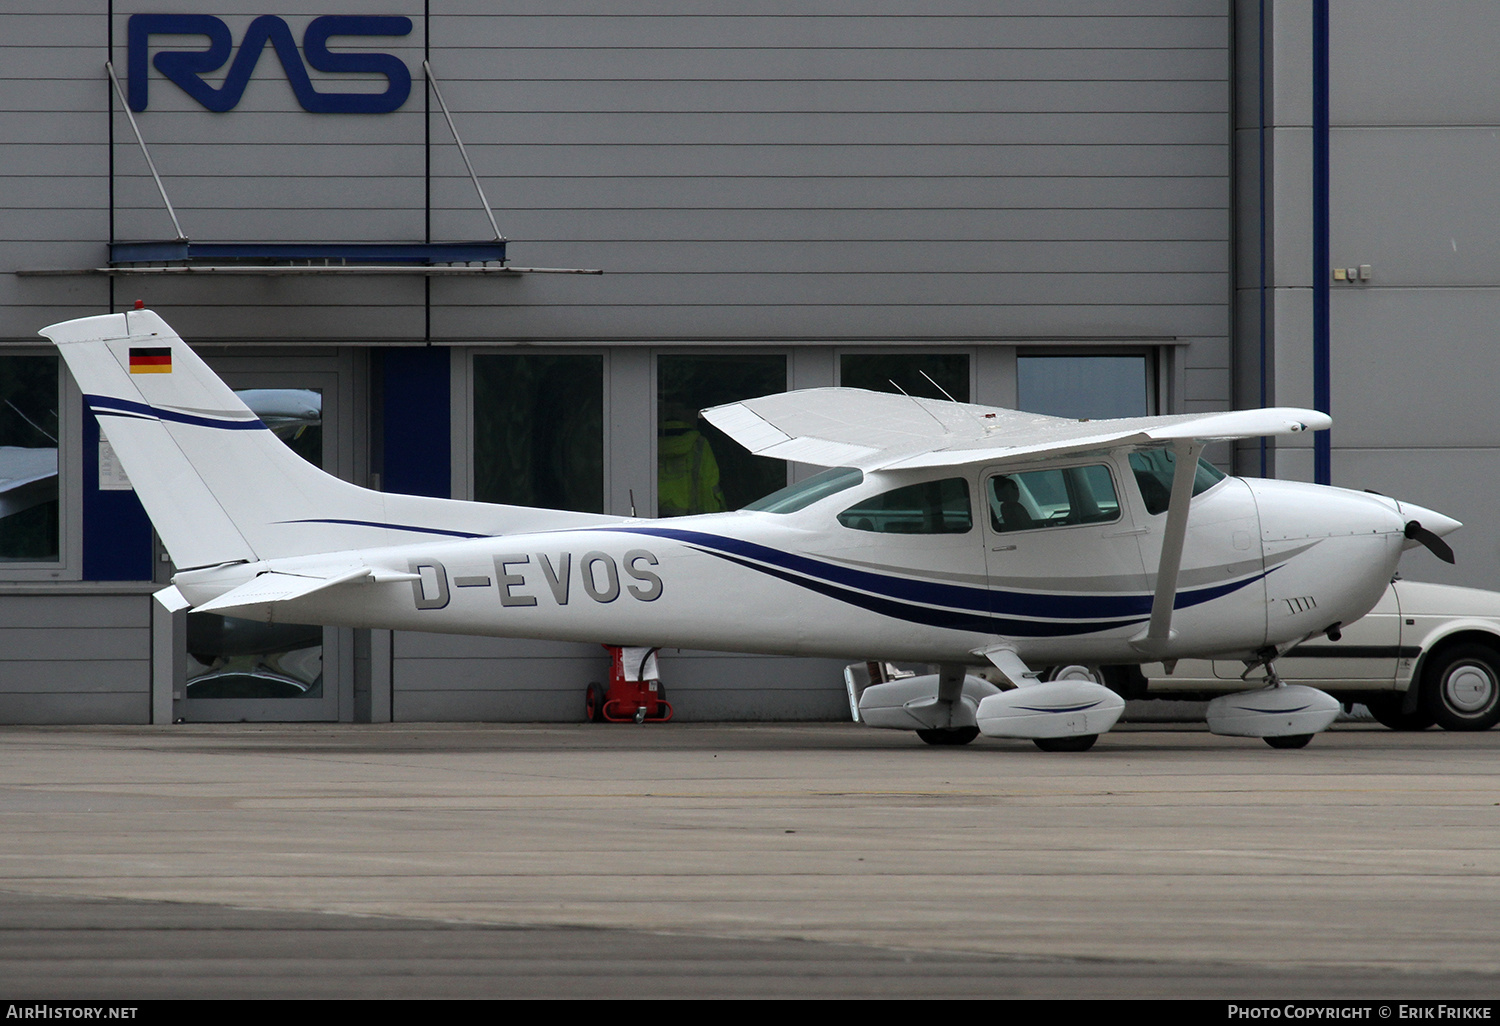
929 375
1087 385
30 511
539 430
699 469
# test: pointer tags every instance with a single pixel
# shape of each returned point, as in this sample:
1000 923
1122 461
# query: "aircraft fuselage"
850 575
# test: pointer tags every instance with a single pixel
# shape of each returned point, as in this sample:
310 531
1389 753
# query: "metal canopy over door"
234 669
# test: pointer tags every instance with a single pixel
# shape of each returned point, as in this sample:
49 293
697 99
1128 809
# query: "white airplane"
944 532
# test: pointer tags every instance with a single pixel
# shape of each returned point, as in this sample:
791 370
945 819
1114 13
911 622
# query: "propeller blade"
1435 545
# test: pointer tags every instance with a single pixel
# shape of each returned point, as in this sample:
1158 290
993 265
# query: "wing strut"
1159 630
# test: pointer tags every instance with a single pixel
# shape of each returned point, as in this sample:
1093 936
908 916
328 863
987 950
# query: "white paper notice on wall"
111 472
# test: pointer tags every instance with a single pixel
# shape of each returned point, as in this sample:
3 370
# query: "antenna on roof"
924 409
935 385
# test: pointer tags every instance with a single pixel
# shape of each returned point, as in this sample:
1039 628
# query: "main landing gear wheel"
1075 743
1387 712
949 736
1461 687
1289 741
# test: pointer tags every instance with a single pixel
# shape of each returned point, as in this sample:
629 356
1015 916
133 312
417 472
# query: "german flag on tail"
151 361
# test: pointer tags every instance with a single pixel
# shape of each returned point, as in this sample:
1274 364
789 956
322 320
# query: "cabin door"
1062 551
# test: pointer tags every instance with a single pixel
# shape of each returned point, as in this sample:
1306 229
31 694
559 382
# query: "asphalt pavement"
744 860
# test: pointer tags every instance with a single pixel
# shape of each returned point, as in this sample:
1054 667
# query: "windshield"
1153 473
804 493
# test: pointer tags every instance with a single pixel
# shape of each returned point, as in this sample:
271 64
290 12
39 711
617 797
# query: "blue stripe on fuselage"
957 620
955 596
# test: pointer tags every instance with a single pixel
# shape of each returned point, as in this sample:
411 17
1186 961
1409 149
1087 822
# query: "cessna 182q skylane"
945 533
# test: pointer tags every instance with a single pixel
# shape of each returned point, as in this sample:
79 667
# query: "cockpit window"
932 507
1053 498
804 493
1153 473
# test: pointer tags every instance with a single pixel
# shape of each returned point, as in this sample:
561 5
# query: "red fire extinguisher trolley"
642 700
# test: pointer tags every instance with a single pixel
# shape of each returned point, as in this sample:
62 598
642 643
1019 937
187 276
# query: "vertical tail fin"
217 484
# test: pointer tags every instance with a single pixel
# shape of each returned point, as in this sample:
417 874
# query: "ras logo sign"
186 67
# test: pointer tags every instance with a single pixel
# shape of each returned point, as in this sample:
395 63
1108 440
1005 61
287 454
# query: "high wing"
880 431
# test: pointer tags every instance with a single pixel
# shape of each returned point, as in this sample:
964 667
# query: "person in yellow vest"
687 474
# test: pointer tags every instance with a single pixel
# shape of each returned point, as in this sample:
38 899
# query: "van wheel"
1387 711
1461 687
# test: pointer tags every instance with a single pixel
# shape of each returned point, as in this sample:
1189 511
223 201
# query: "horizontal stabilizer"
275 586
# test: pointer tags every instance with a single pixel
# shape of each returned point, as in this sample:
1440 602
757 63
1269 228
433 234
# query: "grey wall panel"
86 611
1415 366
63 676
1405 201
987 158
288 224
833 8
42 64
794 97
64 26
494 706
749 288
513 673
179 161
75 658
43 93
834 128
26 225
21 322
71 158
762 192
351 197
263 139
1401 63
296 310
20 192
1206 386
876 226
25 127
30 643
1075 257
76 708
565 320
776 31
1077 67
415 645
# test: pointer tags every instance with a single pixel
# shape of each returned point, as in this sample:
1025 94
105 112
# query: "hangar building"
1094 208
